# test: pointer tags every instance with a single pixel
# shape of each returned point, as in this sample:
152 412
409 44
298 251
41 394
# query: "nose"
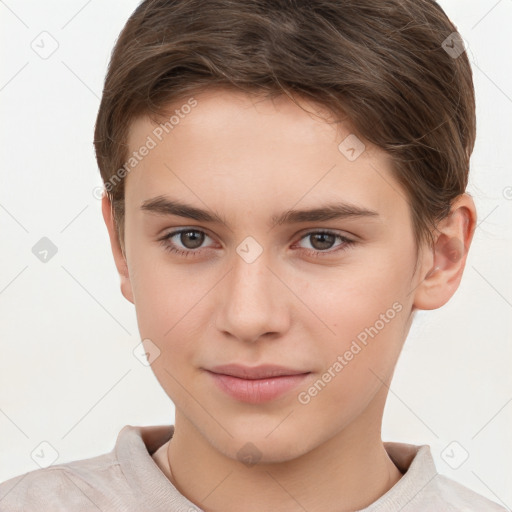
253 301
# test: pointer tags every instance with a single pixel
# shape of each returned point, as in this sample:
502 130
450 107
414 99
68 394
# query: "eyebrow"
162 205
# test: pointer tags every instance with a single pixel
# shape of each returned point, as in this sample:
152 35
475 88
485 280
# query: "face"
325 296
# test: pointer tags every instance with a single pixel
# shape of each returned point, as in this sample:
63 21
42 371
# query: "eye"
321 241
192 239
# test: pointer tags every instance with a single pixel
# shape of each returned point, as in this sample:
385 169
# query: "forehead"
218 111
241 150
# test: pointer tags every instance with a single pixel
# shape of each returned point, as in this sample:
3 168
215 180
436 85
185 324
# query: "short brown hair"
383 64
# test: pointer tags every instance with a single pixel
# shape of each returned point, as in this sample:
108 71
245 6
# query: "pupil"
326 240
192 234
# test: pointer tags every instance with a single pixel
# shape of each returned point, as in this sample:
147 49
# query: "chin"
258 447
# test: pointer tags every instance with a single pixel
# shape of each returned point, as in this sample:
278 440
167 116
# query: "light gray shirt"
128 479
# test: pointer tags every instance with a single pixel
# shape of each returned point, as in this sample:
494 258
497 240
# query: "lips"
256 384
255 372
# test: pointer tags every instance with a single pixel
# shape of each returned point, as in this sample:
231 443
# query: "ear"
119 257
447 260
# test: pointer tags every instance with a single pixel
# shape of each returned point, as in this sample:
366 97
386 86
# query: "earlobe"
448 256
119 257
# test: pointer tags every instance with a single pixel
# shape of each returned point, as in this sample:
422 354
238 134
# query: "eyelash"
170 247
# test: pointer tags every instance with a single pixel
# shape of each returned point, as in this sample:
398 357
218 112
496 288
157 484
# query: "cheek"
170 312
353 297
369 334
366 309
167 298
349 299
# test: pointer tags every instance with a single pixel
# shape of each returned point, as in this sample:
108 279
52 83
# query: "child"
316 156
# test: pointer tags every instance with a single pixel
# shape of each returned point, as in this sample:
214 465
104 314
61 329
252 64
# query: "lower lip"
256 391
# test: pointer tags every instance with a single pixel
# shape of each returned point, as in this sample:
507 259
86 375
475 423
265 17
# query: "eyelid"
346 241
177 231
300 235
337 232
181 229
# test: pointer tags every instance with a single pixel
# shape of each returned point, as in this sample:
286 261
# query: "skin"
248 158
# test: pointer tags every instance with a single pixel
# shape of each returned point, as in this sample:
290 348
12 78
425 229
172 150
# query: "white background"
67 372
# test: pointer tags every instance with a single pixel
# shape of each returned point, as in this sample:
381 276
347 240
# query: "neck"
347 472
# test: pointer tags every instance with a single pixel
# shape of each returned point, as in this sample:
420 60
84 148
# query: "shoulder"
119 480
88 484
457 497
423 489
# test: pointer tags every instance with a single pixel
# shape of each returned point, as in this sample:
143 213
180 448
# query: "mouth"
256 384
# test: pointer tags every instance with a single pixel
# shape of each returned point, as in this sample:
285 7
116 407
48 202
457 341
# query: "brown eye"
321 241
192 239
184 242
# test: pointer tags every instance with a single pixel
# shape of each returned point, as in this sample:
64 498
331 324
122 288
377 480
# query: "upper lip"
255 372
